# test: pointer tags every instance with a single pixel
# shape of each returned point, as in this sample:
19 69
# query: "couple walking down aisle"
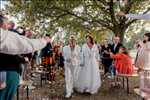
81 67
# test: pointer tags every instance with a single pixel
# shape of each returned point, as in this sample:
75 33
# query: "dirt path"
57 90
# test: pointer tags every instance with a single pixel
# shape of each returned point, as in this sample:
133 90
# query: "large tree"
82 16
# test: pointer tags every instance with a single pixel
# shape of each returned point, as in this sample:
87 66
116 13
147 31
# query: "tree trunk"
121 33
122 37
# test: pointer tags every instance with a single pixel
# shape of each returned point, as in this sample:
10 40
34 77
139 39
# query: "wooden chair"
25 84
126 76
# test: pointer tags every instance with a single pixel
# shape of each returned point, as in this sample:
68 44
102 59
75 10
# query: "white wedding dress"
89 79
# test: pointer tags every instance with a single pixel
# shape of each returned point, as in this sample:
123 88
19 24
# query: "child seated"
122 64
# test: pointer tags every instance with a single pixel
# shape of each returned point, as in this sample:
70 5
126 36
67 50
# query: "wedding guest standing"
106 60
143 63
114 48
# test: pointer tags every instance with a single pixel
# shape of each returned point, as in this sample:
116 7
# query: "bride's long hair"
91 39
148 35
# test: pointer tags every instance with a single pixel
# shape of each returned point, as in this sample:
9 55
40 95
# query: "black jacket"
47 51
10 62
116 49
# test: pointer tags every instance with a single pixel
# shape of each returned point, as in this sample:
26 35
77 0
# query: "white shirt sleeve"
138 16
12 43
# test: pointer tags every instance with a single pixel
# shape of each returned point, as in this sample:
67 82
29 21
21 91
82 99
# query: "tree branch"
99 21
134 20
112 13
59 16
101 7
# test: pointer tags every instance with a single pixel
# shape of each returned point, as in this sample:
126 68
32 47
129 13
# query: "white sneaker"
31 87
109 77
68 95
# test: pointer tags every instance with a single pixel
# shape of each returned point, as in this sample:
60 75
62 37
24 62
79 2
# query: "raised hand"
121 13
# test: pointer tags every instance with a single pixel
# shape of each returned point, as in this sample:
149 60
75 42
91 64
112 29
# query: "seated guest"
123 61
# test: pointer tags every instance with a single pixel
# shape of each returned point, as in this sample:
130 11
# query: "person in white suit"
89 79
71 55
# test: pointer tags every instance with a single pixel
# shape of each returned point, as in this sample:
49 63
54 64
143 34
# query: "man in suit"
114 48
116 45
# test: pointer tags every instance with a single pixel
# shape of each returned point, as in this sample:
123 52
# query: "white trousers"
71 75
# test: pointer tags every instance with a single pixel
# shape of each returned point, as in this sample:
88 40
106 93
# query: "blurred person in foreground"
12 44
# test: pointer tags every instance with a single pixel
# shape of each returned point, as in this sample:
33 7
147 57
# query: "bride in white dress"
89 79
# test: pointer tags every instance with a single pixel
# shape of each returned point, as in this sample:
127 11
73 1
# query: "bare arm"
135 16
138 16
